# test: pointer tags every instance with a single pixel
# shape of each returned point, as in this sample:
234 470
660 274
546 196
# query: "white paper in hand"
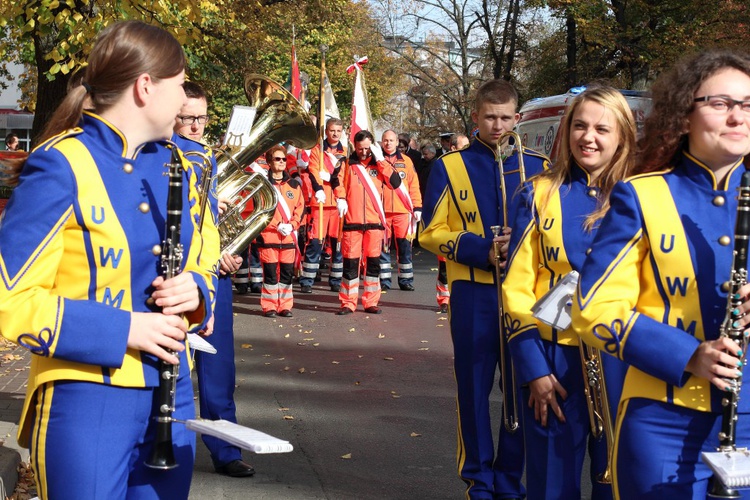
198 343
733 468
240 436
554 306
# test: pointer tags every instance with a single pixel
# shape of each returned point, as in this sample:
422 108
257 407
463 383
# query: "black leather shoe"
336 288
407 287
286 313
344 311
444 309
270 314
384 288
255 289
236 468
305 289
241 289
373 310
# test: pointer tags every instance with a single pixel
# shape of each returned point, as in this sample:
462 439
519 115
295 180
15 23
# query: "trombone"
513 143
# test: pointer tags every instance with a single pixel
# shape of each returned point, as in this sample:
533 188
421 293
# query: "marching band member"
652 291
81 283
461 202
403 211
215 372
557 214
277 243
364 222
323 172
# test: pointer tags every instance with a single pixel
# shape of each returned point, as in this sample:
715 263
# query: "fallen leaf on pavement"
352 329
388 358
247 346
347 456
288 417
415 435
334 362
381 336
301 370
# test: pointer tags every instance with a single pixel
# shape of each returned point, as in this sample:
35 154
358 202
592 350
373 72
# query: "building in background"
12 118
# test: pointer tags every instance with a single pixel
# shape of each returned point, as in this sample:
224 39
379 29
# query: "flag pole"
322 128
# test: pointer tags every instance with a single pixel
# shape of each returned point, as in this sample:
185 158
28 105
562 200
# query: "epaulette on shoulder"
533 152
655 173
52 141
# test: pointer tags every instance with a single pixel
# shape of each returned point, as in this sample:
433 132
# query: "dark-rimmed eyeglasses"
279 158
189 120
724 104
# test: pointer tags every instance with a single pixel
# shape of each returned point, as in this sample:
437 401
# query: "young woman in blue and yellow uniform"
653 290
557 215
80 278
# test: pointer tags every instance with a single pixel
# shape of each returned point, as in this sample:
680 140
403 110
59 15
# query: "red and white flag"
294 84
361 117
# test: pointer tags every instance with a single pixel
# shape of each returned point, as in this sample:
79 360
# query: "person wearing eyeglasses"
653 290
277 243
215 372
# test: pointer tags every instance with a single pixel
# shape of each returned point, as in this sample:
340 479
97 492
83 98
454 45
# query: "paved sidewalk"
14 372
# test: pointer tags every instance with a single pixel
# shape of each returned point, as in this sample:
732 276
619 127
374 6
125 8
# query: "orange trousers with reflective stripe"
278 271
354 245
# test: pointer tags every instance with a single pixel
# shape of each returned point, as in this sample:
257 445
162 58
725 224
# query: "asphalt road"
366 400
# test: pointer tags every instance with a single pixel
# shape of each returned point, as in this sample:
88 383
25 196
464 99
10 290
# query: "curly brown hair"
665 130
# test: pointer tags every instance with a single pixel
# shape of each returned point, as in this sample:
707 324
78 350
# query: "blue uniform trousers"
659 446
216 375
476 336
79 423
555 453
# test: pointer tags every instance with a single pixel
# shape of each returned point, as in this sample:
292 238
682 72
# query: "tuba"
510 402
279 117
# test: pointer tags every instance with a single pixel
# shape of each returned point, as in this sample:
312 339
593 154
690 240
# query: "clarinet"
738 278
162 456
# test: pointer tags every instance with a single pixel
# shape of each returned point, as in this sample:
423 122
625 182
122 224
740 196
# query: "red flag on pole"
361 117
295 85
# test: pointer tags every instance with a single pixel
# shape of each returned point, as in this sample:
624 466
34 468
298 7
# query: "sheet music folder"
732 468
553 307
240 436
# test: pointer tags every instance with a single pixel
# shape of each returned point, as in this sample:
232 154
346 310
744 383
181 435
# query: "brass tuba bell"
279 117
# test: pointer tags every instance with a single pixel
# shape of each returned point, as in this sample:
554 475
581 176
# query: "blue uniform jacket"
463 200
653 286
78 245
543 249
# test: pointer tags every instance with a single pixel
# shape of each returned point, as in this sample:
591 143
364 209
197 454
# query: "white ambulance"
541 117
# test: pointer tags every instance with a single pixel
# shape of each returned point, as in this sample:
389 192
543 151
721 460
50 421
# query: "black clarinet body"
738 278
162 456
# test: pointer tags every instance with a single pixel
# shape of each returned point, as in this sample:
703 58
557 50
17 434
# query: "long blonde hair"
622 163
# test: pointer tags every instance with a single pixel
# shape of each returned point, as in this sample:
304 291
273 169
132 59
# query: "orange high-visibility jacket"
316 164
362 211
403 165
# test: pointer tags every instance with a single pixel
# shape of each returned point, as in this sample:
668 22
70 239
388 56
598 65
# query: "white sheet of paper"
200 344
553 307
240 123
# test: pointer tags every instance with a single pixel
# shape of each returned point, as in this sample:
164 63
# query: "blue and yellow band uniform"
462 200
547 243
652 289
78 252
